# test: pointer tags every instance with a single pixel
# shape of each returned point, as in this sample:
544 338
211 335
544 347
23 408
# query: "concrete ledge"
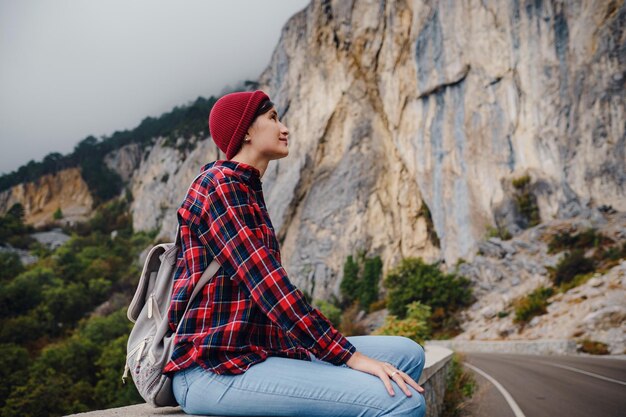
434 377
433 380
525 347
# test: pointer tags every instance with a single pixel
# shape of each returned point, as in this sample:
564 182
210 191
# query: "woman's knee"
414 406
410 350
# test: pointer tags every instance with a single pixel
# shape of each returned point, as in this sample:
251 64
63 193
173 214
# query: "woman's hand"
384 371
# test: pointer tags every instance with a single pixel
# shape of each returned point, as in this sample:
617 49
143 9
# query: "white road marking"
516 410
586 373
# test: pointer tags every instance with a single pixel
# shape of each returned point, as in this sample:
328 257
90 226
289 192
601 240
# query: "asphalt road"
547 386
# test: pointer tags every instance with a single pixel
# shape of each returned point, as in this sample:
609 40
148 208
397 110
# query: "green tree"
14 362
372 271
25 291
414 280
58 214
10 267
350 283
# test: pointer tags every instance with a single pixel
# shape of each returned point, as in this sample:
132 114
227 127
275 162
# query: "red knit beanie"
230 118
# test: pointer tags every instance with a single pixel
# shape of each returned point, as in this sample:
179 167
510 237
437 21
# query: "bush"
14 362
79 373
583 240
526 202
10 266
349 286
360 280
58 214
594 347
572 264
13 230
534 304
460 386
330 311
415 326
378 305
349 325
413 280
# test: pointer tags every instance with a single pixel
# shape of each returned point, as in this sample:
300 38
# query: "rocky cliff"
410 122
392 104
65 190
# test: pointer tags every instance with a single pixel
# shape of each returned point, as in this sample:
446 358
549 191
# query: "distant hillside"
88 154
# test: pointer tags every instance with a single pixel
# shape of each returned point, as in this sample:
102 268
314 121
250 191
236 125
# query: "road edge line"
509 399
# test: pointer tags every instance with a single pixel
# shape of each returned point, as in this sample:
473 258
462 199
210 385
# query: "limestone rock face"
395 103
41 198
409 121
594 310
124 161
160 183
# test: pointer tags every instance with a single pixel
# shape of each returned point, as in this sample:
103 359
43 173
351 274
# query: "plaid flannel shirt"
249 310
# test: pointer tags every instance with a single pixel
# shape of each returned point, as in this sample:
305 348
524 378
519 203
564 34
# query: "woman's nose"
284 130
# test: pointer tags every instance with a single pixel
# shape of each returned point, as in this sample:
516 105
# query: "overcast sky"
72 68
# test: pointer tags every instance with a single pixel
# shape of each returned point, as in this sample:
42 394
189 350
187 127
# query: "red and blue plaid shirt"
249 310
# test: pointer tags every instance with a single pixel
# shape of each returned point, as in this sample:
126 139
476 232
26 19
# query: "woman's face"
269 136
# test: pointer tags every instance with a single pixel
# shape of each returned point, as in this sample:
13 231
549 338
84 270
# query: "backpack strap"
206 275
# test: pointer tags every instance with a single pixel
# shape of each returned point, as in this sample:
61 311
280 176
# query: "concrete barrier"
434 377
433 380
524 347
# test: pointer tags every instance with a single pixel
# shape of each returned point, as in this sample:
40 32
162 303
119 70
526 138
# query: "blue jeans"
291 387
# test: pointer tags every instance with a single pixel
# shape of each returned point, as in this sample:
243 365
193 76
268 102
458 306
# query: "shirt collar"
247 173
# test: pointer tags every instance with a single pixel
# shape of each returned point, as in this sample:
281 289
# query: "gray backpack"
150 343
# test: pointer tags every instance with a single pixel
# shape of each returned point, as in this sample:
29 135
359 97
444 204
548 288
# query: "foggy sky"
70 69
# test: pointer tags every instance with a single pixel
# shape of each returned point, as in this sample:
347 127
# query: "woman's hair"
265 106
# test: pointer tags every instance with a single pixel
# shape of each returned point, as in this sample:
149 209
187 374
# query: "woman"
250 343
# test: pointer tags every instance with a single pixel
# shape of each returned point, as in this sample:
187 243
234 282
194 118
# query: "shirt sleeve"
226 225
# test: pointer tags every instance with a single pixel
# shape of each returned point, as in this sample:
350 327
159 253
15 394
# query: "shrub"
613 253
534 304
414 280
13 230
349 325
499 232
460 386
526 202
332 312
14 362
572 264
521 182
360 280
415 326
587 239
58 214
378 305
10 266
594 347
